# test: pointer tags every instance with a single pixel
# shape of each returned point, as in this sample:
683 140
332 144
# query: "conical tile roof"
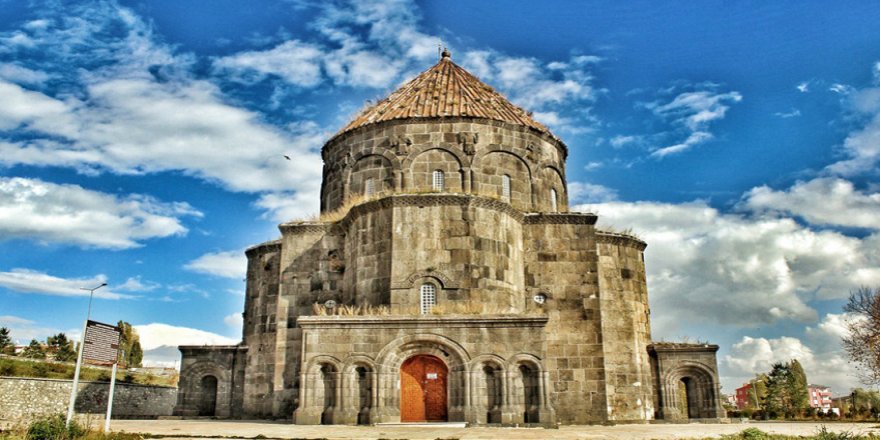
445 90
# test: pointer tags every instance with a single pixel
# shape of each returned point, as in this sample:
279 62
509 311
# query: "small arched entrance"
208 396
423 389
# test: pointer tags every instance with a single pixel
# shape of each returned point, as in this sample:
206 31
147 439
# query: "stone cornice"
272 245
429 321
620 240
681 347
561 218
344 136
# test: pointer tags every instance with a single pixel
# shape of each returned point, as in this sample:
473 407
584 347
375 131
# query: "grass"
53 427
15 367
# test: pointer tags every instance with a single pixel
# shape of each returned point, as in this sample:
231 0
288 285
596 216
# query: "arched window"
553 205
428 297
439 180
505 188
369 188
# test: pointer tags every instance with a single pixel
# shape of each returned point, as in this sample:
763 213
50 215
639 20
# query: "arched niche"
426 163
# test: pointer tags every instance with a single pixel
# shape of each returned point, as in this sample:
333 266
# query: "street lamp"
82 343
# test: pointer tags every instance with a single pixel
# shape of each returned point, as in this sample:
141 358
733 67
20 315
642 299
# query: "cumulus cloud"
821 201
738 269
155 335
294 61
691 113
160 342
49 212
230 264
131 105
862 146
36 282
581 192
234 321
824 363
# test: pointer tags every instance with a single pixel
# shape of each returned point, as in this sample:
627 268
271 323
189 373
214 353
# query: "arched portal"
530 383
208 399
423 389
328 393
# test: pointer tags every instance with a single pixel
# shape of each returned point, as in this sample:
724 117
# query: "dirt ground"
250 429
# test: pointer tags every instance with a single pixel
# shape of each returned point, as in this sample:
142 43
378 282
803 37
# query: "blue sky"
141 145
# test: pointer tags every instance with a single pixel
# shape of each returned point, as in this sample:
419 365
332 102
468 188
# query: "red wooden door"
423 389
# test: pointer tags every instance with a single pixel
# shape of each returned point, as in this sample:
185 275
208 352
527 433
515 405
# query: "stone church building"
447 280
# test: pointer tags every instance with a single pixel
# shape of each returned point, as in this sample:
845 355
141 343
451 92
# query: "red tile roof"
445 90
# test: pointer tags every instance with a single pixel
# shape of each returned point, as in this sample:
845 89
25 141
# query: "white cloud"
230 264
803 87
823 364
821 201
19 74
135 108
284 207
49 212
861 146
593 166
581 192
234 320
621 141
155 335
294 61
736 269
31 281
692 112
793 113
134 284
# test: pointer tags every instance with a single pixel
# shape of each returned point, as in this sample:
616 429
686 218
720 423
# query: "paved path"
251 429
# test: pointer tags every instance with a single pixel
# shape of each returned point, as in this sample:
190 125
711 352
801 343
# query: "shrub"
53 428
41 370
7 368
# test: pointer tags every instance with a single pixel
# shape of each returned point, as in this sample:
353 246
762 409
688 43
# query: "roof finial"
445 54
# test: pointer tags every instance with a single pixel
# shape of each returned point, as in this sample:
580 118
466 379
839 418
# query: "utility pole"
82 343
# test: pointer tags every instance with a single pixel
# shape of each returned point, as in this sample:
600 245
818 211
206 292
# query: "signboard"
101 343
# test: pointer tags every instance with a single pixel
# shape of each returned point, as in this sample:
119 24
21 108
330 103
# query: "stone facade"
29 397
444 241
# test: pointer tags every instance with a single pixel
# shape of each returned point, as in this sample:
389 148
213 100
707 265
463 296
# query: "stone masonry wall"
561 264
259 326
473 153
625 329
30 397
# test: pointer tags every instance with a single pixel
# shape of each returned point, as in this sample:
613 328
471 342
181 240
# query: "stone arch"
321 390
550 177
369 166
528 393
489 168
444 280
407 161
359 390
700 397
489 387
391 358
421 164
193 393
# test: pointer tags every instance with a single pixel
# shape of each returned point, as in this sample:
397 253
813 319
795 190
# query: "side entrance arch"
423 388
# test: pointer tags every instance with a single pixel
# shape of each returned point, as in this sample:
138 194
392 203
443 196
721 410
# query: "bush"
41 370
53 428
7 368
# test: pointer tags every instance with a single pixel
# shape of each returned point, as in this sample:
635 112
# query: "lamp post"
82 343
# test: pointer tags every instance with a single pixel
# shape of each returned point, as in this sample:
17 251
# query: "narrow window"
428 298
553 207
369 189
505 188
439 180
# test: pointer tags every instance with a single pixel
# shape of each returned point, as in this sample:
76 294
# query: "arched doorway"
208 396
423 389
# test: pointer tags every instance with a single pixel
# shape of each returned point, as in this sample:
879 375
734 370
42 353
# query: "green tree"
130 344
798 389
778 401
62 347
35 350
6 345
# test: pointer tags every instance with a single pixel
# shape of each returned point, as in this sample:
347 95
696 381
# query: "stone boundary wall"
23 397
